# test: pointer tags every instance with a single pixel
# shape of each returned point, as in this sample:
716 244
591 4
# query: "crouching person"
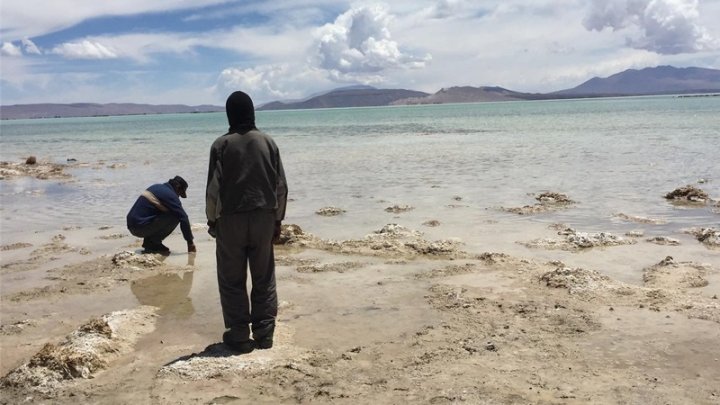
156 214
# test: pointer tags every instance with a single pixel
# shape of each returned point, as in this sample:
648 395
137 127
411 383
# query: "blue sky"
197 52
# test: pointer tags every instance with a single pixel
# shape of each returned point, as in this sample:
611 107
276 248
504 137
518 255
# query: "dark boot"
239 345
154 247
263 334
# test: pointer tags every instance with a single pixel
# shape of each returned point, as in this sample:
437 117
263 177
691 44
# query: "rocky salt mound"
573 240
397 240
293 235
709 237
135 261
671 274
548 201
32 168
639 219
83 353
666 285
218 360
392 240
575 280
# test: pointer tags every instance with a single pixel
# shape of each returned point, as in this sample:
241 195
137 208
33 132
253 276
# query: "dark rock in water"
554 198
664 240
329 211
688 193
71 160
397 208
31 160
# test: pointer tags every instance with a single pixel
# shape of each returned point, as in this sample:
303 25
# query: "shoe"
240 346
157 251
156 248
263 333
264 343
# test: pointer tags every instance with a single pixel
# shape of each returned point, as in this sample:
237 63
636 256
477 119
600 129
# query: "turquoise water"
610 155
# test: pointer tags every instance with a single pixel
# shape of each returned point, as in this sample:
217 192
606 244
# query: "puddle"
167 291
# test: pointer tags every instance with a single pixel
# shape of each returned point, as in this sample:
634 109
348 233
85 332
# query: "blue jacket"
165 199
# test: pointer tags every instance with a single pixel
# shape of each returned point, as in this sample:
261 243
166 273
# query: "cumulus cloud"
358 44
271 82
8 49
663 26
84 50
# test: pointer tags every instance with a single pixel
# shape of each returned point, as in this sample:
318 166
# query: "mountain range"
355 96
648 81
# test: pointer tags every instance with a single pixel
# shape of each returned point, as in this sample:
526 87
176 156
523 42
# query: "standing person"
156 214
245 205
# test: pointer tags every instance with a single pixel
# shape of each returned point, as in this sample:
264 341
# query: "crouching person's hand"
191 247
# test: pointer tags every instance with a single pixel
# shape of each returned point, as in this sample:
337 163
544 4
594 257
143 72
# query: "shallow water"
610 155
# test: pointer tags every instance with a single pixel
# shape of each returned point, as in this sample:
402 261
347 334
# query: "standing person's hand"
211 229
191 247
277 231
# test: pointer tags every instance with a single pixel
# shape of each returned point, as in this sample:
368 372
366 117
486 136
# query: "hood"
240 112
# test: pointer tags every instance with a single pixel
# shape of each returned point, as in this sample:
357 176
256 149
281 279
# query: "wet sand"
403 313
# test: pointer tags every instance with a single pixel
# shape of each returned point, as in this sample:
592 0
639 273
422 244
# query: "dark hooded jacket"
245 171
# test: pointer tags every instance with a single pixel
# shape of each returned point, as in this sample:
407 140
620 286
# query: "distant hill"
356 96
656 80
21 111
465 94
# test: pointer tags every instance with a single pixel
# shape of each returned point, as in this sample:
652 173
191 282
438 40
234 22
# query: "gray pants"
156 231
246 238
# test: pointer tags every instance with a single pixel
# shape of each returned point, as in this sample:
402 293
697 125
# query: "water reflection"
167 291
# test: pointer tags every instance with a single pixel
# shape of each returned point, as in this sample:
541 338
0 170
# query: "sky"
199 51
